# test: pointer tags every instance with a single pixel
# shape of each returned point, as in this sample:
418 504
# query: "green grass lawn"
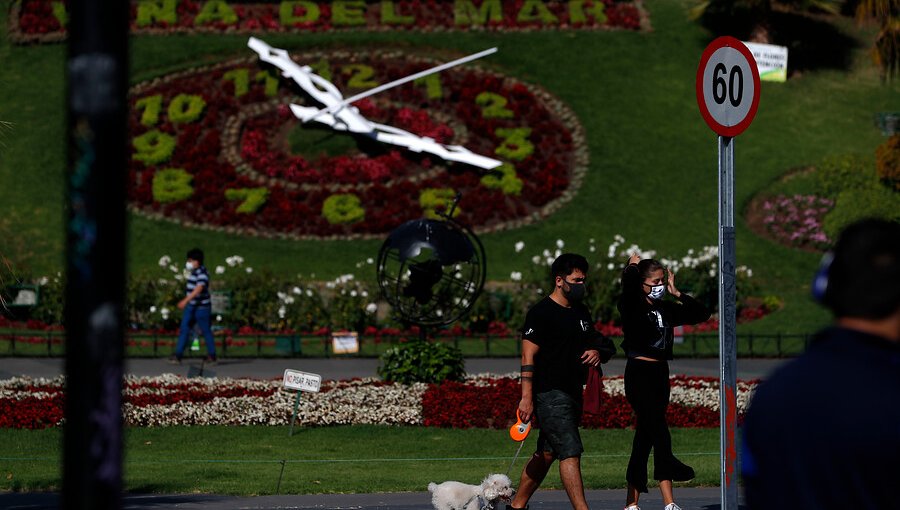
652 175
248 460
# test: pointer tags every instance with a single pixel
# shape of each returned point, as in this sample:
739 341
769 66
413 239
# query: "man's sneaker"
672 506
210 360
174 360
634 506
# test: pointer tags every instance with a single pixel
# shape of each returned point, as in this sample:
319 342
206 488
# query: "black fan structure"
431 271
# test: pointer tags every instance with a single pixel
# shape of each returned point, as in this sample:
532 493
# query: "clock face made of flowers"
221 148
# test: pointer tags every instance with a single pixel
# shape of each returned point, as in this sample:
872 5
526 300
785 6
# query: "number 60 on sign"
727 86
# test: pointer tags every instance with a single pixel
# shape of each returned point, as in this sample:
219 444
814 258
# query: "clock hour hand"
316 86
395 136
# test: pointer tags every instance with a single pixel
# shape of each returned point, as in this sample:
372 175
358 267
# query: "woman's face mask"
655 282
656 292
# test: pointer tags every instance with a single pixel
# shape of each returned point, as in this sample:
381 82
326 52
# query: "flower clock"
241 147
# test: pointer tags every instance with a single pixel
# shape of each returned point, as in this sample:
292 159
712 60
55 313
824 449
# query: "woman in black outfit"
647 322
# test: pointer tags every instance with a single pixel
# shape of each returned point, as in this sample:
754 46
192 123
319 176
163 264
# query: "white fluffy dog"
462 496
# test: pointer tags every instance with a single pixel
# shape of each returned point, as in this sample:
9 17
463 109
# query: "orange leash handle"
520 430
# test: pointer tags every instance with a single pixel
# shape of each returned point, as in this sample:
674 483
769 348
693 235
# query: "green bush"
172 185
349 303
252 198
343 208
843 172
49 308
422 361
873 201
149 13
186 108
153 147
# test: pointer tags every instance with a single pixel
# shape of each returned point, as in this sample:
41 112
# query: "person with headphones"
823 431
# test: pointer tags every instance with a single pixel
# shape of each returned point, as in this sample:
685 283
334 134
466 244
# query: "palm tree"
886 51
754 17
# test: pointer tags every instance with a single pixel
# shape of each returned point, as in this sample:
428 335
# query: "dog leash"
518 433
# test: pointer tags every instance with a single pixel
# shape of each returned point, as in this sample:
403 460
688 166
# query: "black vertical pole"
97 79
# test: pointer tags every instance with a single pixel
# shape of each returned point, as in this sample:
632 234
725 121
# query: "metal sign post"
300 381
728 96
727 322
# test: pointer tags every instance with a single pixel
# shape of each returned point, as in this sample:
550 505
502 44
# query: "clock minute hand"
381 88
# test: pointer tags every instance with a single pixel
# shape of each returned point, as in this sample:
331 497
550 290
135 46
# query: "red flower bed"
493 404
31 412
463 406
35 20
238 142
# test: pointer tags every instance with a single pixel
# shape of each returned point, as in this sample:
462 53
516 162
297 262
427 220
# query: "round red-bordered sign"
727 86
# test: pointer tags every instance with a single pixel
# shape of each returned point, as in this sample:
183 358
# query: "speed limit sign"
727 86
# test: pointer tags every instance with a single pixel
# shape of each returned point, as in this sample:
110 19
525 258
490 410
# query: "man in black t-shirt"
559 343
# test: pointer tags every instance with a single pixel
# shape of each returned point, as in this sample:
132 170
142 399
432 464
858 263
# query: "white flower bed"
173 400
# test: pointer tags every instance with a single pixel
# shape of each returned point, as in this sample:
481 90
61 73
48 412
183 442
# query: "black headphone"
820 280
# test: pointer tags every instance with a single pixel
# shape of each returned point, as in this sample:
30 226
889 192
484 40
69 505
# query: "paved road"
704 498
348 368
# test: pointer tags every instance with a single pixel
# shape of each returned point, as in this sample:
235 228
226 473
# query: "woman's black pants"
647 390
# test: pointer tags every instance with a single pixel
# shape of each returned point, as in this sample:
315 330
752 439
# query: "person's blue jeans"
199 316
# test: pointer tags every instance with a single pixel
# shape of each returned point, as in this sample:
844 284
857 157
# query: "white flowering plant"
696 273
350 303
262 302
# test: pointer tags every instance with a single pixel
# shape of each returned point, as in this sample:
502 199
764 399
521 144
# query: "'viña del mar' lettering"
204 15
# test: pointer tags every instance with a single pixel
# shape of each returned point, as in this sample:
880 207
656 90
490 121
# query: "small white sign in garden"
302 381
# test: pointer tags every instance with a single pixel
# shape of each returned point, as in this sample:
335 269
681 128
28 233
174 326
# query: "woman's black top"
648 326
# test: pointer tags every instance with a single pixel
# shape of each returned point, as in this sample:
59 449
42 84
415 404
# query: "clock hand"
316 86
381 88
351 120
396 136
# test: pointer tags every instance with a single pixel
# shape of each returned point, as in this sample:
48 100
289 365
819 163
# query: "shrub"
343 208
873 201
887 162
349 304
421 361
185 108
49 309
172 185
149 13
153 147
252 198
843 172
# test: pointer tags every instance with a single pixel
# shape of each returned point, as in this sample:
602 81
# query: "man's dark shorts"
558 415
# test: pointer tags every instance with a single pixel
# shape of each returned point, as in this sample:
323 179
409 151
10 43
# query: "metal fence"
52 344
